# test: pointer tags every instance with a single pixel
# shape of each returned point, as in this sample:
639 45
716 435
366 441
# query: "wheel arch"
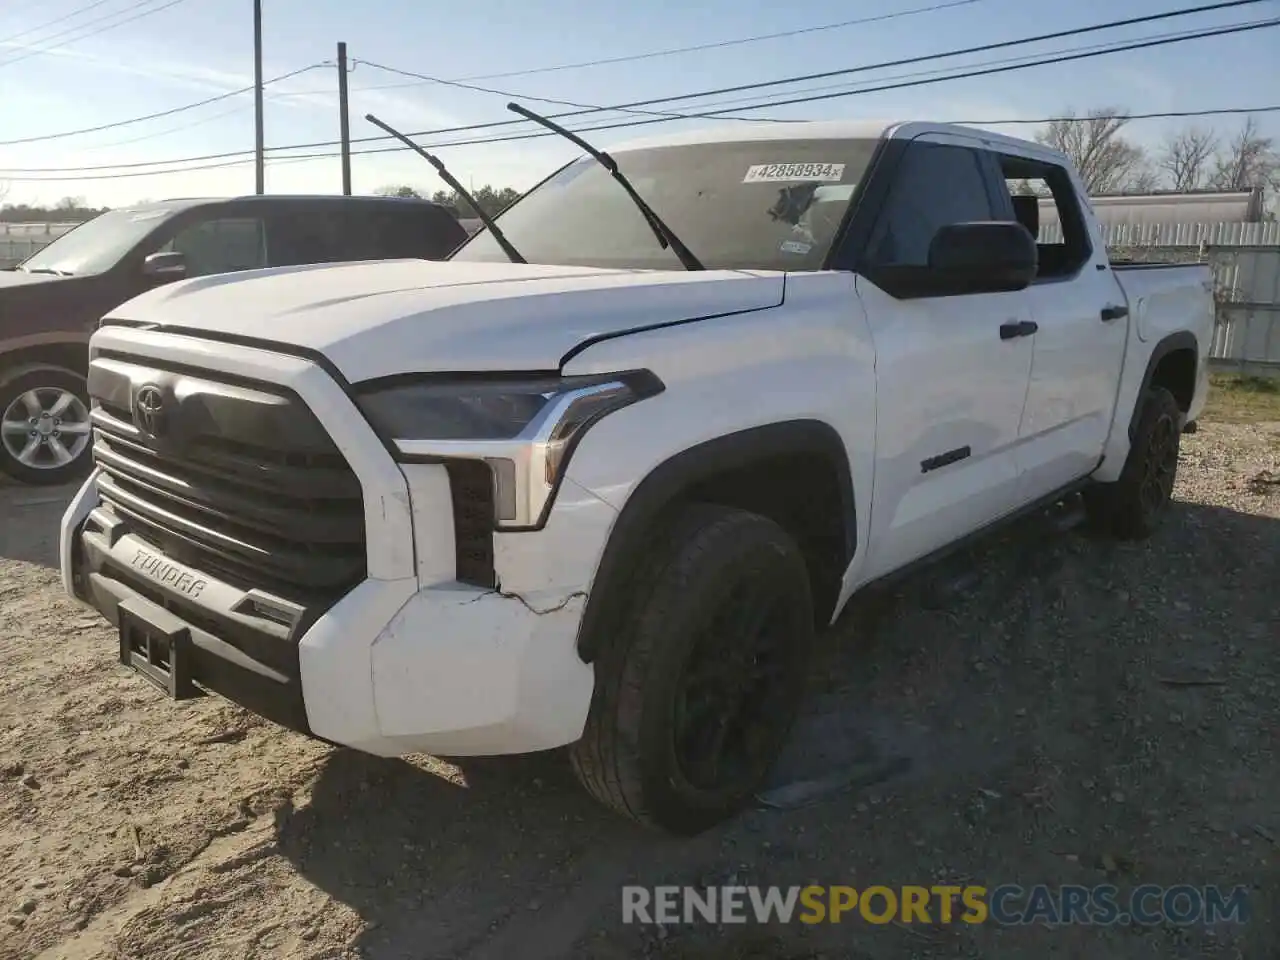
713 471
67 351
1172 364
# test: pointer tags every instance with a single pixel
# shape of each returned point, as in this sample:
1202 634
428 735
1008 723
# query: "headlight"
525 428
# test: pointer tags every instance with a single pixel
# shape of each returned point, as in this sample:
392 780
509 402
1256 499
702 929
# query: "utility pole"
344 121
260 162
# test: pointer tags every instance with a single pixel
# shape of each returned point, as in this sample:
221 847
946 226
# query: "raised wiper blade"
48 270
666 237
512 253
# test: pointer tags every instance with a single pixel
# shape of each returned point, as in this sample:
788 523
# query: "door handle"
1014 329
1114 312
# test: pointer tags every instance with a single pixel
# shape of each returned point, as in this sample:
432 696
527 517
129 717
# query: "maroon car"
51 302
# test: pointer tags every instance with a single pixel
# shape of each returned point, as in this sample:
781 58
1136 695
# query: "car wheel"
45 435
697 690
1133 507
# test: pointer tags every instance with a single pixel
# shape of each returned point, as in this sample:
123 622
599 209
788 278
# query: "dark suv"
52 301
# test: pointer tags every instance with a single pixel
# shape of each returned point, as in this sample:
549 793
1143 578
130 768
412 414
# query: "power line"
422 79
732 103
719 44
1093 28
748 103
981 71
990 71
907 61
50 23
644 103
1047 61
670 51
163 113
1165 115
633 105
168 131
92 33
306 158
590 108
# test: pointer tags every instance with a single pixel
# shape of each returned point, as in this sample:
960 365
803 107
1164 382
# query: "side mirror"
984 257
165 266
964 258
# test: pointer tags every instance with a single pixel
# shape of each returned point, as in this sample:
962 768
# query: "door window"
221 246
360 232
308 236
1044 200
417 231
369 233
936 185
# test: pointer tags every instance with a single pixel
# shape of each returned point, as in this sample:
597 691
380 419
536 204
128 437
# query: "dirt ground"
1027 710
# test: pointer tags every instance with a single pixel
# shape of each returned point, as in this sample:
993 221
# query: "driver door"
950 384
226 244
221 240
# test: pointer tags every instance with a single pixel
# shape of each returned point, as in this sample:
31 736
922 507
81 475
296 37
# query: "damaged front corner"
542 611
466 671
546 604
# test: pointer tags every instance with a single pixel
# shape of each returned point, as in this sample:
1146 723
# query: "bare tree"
1248 160
1106 160
1143 180
1185 157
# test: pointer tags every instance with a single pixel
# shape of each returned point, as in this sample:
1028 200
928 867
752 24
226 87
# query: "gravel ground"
1018 707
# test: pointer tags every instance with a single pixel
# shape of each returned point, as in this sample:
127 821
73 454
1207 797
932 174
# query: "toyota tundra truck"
596 480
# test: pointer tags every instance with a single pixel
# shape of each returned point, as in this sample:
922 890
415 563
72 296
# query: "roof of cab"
832 130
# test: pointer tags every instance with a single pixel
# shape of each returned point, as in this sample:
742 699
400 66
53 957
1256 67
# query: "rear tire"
1134 506
696 692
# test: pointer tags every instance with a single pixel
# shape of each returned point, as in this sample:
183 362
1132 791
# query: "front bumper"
409 660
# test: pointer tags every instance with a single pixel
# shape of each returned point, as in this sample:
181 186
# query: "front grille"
471 487
242 481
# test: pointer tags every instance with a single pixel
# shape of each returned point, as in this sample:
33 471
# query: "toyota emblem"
148 411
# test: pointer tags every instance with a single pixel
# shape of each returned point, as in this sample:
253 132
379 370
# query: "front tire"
45 436
696 692
1134 506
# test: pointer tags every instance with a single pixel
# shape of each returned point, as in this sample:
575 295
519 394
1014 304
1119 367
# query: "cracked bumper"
395 667
410 660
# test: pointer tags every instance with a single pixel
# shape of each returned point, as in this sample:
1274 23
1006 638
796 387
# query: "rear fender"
1132 389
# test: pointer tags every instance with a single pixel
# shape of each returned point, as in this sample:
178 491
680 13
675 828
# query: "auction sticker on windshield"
775 172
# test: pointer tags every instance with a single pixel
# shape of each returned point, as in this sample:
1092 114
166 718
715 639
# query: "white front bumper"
412 660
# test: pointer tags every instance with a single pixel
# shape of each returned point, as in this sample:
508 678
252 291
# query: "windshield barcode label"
773 172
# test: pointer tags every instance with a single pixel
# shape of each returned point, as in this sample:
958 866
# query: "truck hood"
48 307
17 278
377 319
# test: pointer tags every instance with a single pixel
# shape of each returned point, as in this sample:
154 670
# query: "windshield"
96 245
751 205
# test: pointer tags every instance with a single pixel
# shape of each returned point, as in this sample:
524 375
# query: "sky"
93 68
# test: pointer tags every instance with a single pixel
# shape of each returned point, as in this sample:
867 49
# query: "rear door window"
413 231
339 232
422 231
1044 200
306 235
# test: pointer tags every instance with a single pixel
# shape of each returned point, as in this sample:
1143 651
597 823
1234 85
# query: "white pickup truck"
601 493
